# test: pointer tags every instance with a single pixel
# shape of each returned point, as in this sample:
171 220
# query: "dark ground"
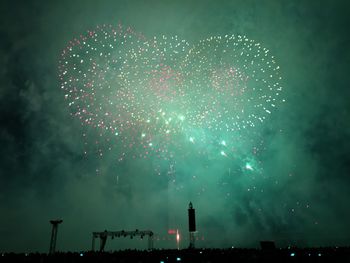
329 254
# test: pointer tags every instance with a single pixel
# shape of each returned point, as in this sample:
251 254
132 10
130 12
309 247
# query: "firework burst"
162 96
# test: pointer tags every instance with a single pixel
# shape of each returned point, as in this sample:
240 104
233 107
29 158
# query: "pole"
191 224
93 242
53 240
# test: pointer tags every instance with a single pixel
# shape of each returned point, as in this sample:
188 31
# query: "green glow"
182 118
249 167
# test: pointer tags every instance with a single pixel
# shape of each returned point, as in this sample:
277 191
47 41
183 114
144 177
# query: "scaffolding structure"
103 237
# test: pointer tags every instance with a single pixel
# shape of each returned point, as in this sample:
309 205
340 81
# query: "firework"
164 97
235 81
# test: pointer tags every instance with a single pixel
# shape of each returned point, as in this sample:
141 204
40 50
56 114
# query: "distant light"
143 135
319 254
223 143
200 252
178 259
116 134
161 261
249 167
171 231
292 254
181 117
191 139
81 254
223 153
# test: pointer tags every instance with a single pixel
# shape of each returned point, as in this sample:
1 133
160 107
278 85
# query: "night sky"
294 191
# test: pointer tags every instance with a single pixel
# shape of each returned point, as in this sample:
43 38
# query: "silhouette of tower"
191 224
54 224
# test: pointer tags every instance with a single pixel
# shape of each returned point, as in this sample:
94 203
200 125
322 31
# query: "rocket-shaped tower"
191 224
